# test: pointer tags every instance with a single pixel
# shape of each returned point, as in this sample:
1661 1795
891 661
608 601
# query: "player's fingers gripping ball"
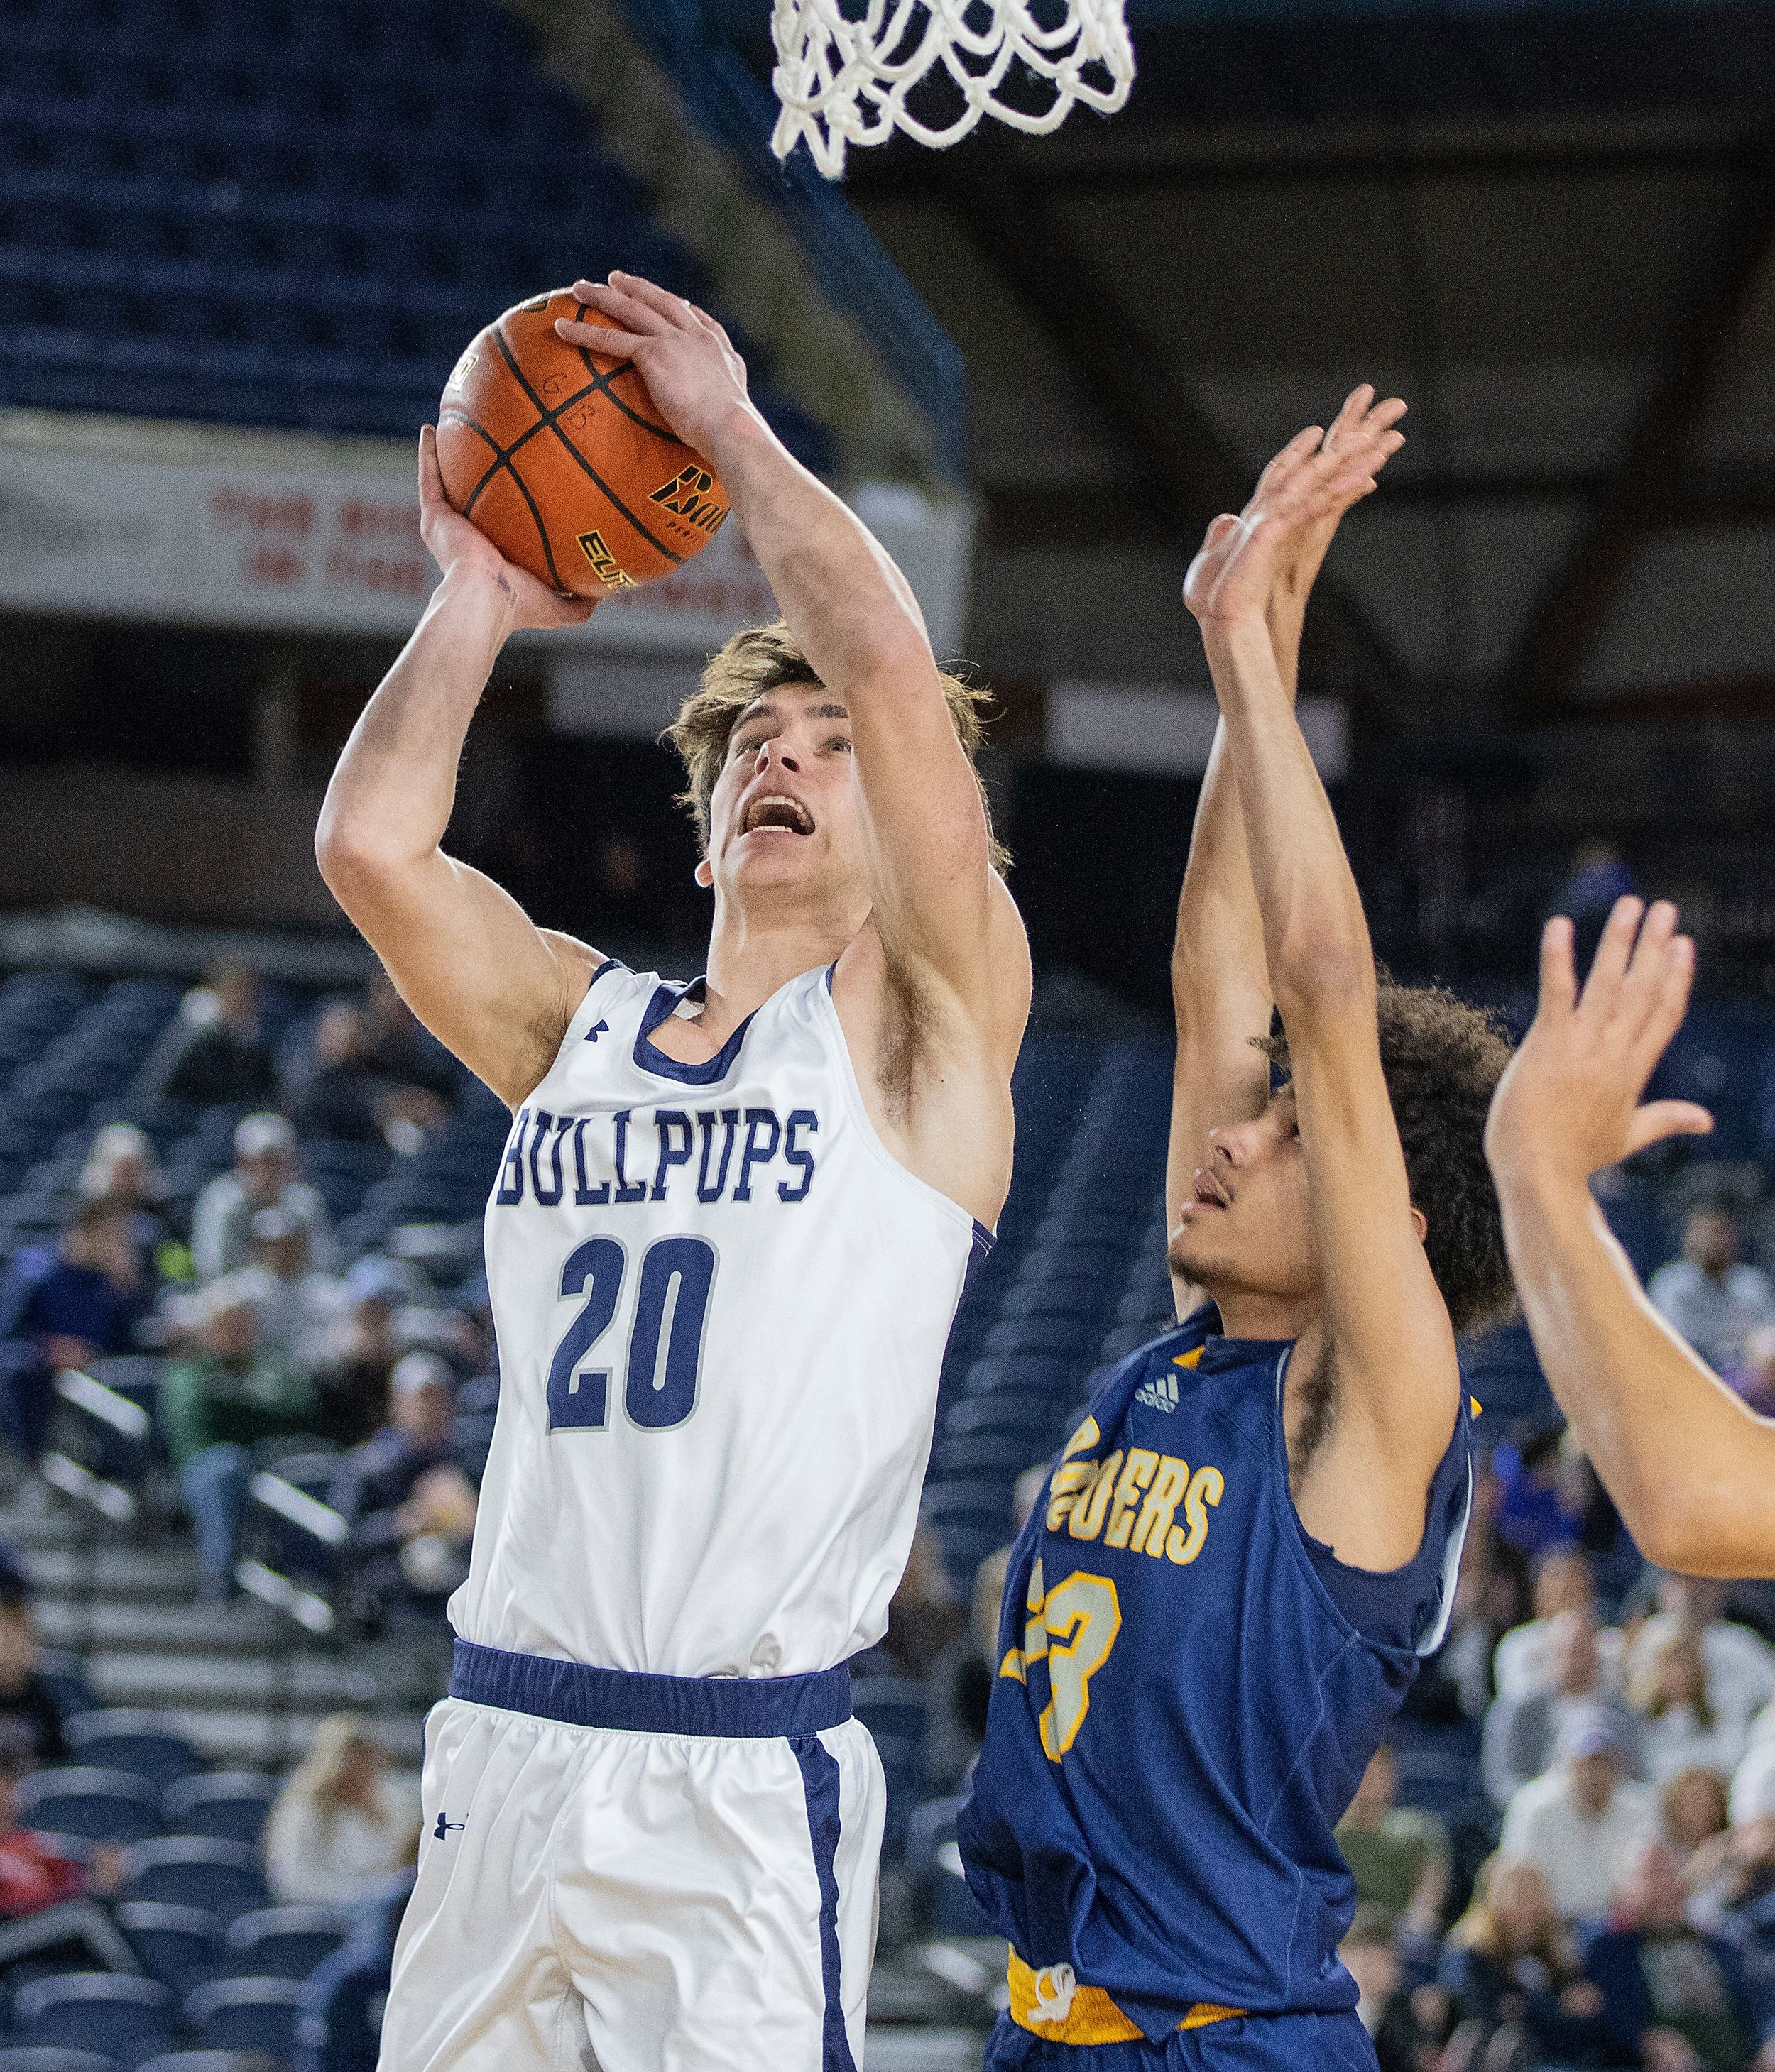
557 454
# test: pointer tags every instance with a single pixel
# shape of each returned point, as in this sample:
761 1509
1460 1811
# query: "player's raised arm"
494 988
1219 980
938 902
1690 1465
1387 1378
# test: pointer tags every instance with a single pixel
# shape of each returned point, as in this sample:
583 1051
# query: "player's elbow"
353 856
1320 967
1671 1529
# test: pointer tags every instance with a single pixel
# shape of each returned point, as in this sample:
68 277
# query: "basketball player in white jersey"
730 1231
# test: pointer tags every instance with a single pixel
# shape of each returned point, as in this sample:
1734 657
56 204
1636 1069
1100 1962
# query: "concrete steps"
242 1685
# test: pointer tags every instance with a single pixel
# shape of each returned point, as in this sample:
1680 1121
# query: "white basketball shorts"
629 1873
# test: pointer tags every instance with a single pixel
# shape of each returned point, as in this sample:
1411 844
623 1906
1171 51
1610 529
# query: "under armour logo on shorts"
598 1028
446 1827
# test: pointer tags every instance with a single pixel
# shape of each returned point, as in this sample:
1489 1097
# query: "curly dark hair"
1443 1060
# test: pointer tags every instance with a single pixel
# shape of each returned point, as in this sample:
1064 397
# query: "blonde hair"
761 659
319 1779
1480 1928
1648 1693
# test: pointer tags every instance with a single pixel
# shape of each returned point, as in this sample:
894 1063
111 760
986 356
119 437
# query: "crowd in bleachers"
244 1289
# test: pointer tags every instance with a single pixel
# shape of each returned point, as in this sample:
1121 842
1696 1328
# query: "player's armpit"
495 990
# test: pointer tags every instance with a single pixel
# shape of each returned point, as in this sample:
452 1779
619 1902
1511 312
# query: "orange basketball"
560 457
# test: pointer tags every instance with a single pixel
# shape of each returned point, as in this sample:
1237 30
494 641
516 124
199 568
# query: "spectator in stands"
1541 1497
1739 1665
1398 1855
923 1616
1674 2000
410 1506
31 1709
418 1076
340 2026
227 1397
1709 1296
1516 1992
1695 1827
961 1681
1577 1822
65 1308
298 1309
120 1168
214 1050
339 1828
1385 2009
1680 1728
1753 1376
1599 877
1527 1657
264 1178
334 1093
1522 1730
49 1916
1491 1599
353 1379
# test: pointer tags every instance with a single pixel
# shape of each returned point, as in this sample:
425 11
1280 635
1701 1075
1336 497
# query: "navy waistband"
725 1708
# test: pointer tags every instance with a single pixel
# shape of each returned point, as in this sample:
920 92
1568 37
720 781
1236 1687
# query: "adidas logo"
1160 1393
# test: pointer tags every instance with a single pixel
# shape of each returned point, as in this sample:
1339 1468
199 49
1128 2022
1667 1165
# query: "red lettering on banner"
276 566
235 508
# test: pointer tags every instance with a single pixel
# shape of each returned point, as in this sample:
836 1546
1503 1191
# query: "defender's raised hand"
688 361
1277 542
1570 1103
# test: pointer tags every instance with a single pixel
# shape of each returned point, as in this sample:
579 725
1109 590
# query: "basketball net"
843 78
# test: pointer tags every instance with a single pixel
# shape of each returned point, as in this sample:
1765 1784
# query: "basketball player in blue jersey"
1251 1540
724 1250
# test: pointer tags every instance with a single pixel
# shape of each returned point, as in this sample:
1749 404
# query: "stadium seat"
98 1805
49 2058
227 1805
122 1737
179 1946
204 2061
285 1942
194 1870
101 2010
247 2014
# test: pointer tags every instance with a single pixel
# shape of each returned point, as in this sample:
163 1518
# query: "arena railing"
734 108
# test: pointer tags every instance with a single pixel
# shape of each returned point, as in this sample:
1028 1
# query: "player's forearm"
848 606
1689 1466
391 794
1315 934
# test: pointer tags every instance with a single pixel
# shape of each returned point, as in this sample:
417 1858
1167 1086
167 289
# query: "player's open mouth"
777 813
1206 1192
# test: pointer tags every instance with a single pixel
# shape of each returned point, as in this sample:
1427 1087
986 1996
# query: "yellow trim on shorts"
1091 2016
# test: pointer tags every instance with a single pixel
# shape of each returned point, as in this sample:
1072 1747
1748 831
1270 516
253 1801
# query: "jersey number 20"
664 1344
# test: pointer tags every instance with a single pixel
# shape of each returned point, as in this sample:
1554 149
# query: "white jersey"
722 1306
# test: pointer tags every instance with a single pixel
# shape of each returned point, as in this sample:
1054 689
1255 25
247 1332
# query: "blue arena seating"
247 2014
224 1878
98 1805
107 2012
268 215
179 1946
226 1805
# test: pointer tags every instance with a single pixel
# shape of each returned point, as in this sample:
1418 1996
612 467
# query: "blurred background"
247 1376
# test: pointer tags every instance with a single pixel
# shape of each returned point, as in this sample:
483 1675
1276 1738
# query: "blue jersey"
1190 1687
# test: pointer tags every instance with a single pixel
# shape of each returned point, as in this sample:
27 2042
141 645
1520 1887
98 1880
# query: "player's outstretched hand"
1281 536
1569 1104
459 546
687 360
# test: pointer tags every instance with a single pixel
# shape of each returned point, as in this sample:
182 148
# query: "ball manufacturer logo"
460 372
687 495
604 565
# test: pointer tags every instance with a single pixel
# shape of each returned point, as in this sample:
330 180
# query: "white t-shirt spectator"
1577 1852
1714 1316
1740 1665
221 1239
1678 1739
299 1318
338 1860
1525 1662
